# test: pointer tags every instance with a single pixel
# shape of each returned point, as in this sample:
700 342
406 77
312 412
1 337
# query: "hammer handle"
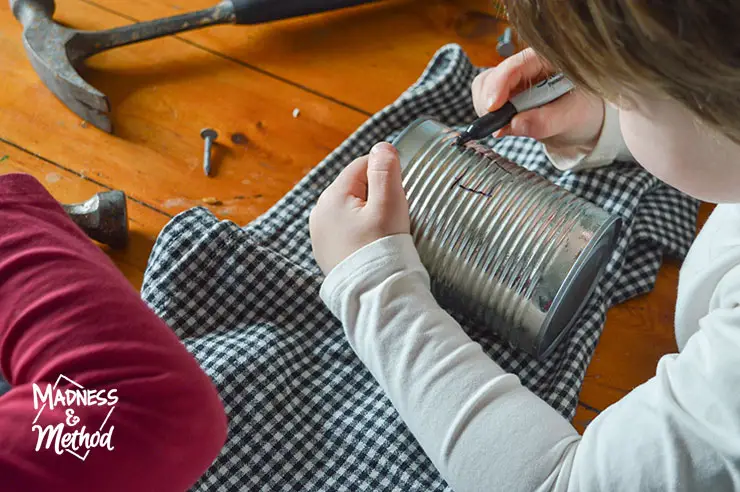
259 11
226 12
92 42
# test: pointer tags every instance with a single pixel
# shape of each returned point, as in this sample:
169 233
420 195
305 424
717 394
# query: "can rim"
412 127
611 228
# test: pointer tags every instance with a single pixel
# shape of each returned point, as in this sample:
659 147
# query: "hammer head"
103 218
53 51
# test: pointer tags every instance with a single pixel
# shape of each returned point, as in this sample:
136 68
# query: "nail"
382 147
209 135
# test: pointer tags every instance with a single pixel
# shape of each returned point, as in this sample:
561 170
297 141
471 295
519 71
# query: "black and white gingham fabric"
304 412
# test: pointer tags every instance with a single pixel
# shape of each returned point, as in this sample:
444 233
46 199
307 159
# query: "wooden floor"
337 69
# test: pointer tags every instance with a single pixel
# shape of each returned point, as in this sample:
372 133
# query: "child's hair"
686 49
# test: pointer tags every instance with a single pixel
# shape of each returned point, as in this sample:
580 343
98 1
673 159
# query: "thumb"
384 182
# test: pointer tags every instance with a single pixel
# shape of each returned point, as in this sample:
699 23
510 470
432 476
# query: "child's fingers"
385 184
352 181
548 121
479 90
494 87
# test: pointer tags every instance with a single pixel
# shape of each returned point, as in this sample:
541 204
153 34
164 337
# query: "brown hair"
688 50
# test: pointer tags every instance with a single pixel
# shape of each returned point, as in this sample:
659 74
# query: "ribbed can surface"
501 244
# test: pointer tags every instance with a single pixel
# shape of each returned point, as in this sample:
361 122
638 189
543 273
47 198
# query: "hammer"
103 218
56 51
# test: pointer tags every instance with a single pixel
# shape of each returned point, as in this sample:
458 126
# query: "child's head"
672 65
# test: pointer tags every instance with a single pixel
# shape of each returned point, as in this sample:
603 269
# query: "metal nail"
209 135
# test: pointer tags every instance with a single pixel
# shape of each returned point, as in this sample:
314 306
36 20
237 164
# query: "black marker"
543 93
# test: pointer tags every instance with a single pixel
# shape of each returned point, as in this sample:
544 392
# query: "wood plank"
68 187
364 57
161 107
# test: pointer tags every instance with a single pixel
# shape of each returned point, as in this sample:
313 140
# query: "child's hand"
365 203
574 119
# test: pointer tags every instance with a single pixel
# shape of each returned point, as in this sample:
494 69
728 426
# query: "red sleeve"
66 310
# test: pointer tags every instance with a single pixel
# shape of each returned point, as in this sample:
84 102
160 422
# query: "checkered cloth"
304 412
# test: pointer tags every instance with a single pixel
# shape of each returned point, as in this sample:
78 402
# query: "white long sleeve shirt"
679 431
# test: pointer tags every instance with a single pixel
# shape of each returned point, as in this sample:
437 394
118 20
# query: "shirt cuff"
609 147
369 265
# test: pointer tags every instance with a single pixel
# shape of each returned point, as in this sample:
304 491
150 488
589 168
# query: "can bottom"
578 288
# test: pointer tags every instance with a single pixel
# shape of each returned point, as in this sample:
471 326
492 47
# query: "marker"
543 93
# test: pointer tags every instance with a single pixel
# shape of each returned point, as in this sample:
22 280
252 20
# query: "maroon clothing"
65 309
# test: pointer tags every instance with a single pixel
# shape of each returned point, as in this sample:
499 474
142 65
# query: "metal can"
502 244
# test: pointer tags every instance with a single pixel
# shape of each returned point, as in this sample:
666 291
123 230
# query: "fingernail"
490 101
382 147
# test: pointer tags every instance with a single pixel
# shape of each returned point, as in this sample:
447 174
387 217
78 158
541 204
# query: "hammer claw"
92 115
47 50
98 119
83 99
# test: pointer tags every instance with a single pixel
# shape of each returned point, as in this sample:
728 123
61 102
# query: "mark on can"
486 189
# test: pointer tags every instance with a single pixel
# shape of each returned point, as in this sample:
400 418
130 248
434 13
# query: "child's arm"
66 310
484 431
479 426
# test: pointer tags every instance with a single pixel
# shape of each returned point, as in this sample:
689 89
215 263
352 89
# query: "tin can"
502 244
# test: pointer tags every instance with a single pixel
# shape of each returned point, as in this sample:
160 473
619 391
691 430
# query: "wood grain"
161 107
